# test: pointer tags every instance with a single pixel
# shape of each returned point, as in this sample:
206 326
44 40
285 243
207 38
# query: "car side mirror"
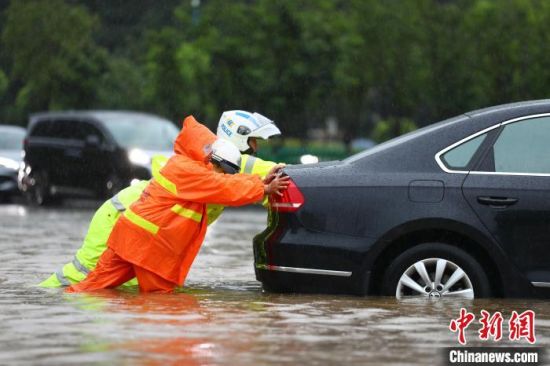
92 141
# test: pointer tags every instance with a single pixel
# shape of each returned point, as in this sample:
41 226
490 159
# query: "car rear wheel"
434 270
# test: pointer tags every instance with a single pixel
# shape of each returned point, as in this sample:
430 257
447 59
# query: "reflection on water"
221 318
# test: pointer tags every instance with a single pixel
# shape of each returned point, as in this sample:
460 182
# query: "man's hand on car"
275 171
277 185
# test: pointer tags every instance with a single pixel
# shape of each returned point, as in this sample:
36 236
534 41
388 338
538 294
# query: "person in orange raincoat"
159 235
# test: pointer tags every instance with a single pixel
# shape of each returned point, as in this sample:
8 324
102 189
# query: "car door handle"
497 202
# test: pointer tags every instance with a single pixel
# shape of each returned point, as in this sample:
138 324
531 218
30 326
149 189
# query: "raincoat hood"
195 140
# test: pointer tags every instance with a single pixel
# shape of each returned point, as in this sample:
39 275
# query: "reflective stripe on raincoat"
163 231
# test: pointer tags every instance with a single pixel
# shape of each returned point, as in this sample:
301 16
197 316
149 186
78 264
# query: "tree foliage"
299 62
3 83
52 54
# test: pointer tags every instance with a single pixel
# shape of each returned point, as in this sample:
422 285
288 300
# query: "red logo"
520 326
491 326
459 325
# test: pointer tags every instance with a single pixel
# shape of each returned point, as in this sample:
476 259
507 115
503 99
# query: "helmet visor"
266 131
227 167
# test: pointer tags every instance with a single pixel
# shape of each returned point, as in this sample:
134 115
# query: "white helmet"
238 126
226 155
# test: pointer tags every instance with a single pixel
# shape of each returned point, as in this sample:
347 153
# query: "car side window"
87 130
521 147
461 156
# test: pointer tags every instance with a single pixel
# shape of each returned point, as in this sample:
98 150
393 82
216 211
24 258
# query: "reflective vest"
249 165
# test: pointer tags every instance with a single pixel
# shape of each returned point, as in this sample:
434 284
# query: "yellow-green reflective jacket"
249 165
107 215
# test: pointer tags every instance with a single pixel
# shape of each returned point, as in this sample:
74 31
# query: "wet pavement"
221 318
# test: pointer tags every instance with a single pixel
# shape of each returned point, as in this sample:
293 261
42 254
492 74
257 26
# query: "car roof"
12 128
517 107
436 136
95 114
505 111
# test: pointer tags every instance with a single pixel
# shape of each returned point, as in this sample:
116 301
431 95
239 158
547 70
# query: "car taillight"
291 200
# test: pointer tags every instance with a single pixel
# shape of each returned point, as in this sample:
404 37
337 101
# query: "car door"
95 157
70 169
509 190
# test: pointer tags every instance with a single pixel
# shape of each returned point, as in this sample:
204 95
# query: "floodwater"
222 317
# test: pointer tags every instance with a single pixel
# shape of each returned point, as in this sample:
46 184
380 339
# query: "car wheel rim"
434 278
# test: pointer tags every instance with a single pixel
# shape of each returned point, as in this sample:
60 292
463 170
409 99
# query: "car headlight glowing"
309 159
139 157
9 163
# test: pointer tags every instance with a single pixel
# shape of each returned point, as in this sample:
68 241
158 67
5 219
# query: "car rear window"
11 139
461 156
141 131
64 129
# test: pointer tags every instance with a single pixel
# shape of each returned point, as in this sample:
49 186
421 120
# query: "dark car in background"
11 148
90 153
459 209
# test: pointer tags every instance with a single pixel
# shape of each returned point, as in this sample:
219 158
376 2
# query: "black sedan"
460 208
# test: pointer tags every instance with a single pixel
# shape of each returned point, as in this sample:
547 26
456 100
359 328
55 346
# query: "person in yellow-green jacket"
240 127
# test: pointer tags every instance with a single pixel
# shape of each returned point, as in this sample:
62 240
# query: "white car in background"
11 147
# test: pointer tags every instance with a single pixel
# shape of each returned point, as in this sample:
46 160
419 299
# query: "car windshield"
145 132
11 139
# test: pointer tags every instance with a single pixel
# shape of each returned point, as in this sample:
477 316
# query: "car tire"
39 193
438 259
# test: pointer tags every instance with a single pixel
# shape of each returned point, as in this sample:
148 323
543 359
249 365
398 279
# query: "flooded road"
222 317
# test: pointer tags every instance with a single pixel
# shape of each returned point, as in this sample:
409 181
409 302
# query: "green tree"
389 128
272 57
382 68
507 61
3 83
194 66
165 91
122 85
52 53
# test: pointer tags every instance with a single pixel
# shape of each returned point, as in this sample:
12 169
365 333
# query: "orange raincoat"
162 231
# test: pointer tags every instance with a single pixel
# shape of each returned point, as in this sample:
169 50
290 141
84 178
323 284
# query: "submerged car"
11 147
459 209
90 153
